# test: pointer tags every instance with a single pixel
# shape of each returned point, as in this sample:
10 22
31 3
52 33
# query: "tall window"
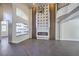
21 14
3 26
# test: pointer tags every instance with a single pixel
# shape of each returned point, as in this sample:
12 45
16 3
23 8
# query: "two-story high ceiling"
36 4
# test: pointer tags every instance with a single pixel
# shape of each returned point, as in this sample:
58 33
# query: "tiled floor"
34 47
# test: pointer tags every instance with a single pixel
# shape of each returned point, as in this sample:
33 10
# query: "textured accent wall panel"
42 21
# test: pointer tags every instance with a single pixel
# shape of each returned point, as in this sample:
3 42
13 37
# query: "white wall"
70 30
30 23
27 11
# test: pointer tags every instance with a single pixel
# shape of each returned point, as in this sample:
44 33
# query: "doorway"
4 32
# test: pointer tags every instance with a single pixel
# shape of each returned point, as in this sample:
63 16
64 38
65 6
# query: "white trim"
70 39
